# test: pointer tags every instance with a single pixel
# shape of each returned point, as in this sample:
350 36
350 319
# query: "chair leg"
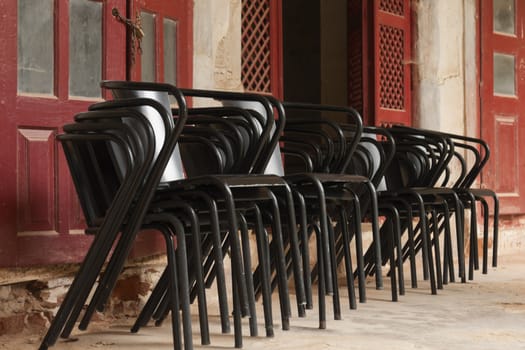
199 279
281 263
448 263
437 256
495 233
398 250
375 231
485 235
387 231
333 266
427 245
307 277
320 277
296 255
474 230
218 258
460 240
409 248
245 240
358 234
237 325
173 291
264 274
195 264
182 260
343 224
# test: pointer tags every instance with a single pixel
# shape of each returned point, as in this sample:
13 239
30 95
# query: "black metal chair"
470 155
373 155
418 169
238 184
325 189
108 192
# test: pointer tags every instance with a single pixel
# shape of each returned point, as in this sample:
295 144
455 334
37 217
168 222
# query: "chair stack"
209 178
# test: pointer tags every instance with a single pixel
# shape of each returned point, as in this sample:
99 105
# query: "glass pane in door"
504 14
504 74
148 57
170 51
85 48
35 60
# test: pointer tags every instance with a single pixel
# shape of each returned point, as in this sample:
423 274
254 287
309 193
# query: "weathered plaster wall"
217 44
471 74
439 65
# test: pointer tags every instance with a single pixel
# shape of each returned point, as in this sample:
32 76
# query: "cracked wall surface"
441 34
217 44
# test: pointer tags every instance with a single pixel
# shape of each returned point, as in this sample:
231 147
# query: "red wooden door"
53 54
44 81
167 46
392 52
379 52
503 99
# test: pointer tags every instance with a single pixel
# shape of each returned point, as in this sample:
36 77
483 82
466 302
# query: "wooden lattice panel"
392 6
256 48
391 71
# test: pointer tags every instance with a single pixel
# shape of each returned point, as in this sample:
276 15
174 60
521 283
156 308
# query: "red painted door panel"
379 52
392 52
40 219
503 99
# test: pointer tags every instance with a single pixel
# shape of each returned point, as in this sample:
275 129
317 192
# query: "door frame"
513 208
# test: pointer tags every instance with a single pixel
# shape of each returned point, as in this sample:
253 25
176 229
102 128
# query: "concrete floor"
487 313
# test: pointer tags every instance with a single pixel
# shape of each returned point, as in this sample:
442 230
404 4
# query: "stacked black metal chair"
202 138
68 316
480 153
210 175
469 156
422 170
374 153
111 193
317 153
246 190
419 161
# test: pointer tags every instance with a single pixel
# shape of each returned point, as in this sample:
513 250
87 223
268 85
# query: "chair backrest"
174 169
257 102
108 161
270 159
237 126
236 134
337 147
317 138
378 145
480 153
429 152
202 156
